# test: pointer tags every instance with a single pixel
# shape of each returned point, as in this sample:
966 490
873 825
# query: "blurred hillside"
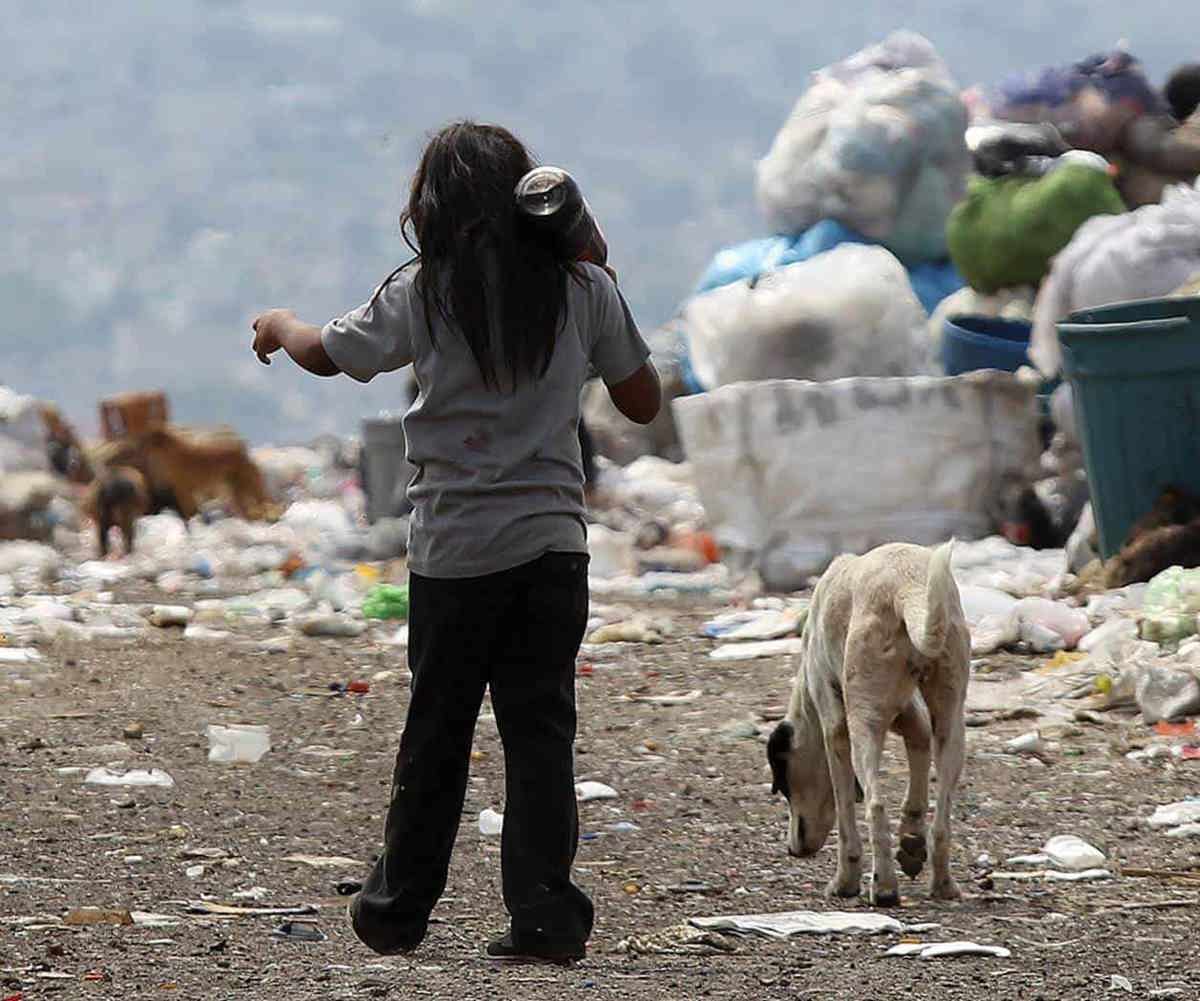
169 169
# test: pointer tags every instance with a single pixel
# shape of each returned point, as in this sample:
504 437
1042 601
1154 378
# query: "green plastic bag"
1170 606
386 601
1007 230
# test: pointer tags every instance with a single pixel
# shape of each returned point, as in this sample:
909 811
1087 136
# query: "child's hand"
269 331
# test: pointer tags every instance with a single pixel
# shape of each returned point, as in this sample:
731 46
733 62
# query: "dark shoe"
383 944
563 953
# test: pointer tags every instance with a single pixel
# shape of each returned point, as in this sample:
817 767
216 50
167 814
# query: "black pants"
517 632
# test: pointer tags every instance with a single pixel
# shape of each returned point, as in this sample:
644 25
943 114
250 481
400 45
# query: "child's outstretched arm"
280 328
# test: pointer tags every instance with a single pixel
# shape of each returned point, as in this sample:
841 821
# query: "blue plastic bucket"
975 342
1136 382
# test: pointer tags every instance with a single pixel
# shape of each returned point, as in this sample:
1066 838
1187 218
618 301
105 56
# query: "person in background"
501 332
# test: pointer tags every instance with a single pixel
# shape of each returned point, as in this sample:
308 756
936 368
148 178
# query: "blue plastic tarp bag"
931 281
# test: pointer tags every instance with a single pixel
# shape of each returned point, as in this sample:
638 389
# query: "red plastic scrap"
1184 729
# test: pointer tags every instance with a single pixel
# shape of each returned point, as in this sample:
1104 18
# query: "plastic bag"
1171 605
22 434
1167 693
386 601
932 281
847 312
792 473
877 143
1114 258
1088 101
1008 229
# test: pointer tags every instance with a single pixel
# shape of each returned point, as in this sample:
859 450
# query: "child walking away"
501 330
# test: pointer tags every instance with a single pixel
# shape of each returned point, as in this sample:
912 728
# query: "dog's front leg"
847 881
866 741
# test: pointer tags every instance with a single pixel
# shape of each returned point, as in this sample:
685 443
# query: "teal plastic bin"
1134 369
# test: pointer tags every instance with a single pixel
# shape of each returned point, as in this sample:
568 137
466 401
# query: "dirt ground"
710 838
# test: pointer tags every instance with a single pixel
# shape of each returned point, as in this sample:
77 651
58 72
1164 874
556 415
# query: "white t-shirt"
499 479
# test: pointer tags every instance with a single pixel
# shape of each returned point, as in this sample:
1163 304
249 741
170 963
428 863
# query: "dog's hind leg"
949 746
847 881
913 725
866 740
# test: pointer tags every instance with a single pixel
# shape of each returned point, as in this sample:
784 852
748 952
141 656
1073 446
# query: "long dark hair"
478 265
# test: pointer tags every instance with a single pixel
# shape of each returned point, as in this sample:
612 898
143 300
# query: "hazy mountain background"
169 168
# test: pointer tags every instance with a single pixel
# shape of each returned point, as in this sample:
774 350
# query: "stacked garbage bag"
876 142
33 495
857 187
1150 252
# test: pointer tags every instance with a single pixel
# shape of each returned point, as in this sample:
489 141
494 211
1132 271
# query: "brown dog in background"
196 467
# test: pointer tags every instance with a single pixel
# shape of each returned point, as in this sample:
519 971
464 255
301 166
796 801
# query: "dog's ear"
858 792
779 750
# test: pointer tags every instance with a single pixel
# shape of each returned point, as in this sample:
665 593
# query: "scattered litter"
768 624
155 777
677 940
1073 853
19 655
233 911
1119 983
752 651
325 751
323 861
254 893
1027 743
670 699
241 743
97 916
298 931
204 634
943 950
1176 814
1054 876
208 854
386 601
146 919
491 823
634 631
168 616
334 625
587 791
788 923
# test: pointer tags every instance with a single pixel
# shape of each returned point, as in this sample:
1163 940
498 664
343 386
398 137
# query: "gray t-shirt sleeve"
376 336
618 349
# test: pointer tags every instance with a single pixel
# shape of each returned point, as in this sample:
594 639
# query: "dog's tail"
929 612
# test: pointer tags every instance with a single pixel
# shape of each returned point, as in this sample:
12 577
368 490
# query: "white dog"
886 647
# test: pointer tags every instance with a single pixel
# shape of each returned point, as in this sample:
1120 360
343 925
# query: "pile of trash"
1153 251
876 143
857 187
